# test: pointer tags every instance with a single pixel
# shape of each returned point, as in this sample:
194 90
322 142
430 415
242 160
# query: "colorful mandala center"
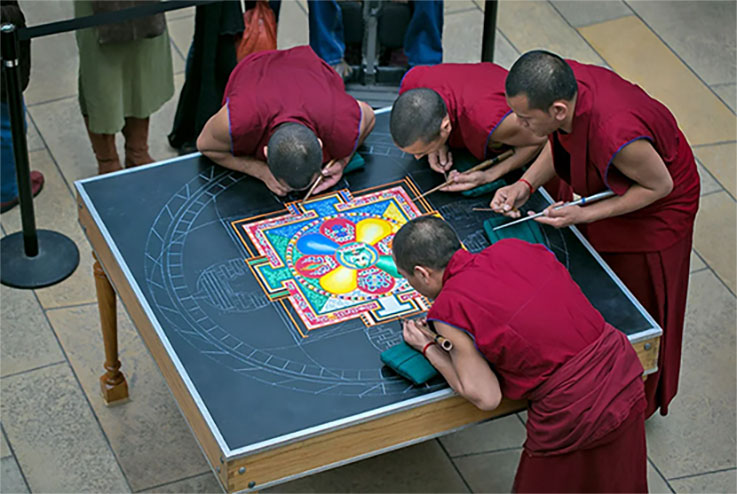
357 255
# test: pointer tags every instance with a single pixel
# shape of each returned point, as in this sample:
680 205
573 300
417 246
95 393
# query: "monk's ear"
445 126
559 110
266 152
422 273
319 142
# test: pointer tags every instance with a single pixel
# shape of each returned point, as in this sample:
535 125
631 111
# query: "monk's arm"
214 142
641 163
368 121
526 145
465 369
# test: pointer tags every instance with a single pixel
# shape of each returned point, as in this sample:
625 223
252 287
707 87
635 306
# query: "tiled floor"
58 436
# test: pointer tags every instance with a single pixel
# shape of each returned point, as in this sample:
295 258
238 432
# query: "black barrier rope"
106 18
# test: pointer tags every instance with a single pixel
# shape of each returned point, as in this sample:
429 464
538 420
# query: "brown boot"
136 142
104 147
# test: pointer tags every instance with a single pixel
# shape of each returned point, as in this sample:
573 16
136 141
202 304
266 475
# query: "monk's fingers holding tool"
560 217
413 335
463 181
507 200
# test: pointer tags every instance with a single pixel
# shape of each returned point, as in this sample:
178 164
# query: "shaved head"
543 77
416 116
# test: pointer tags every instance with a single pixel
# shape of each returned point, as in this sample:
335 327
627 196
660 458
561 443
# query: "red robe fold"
548 344
611 113
473 94
270 88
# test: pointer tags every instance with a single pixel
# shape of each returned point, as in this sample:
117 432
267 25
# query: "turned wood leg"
113 384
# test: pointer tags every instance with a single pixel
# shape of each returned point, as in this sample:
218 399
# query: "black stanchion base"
57 258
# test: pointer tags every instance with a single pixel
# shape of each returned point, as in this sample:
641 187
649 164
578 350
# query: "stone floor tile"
656 484
504 53
701 33
536 24
714 234
696 262
205 483
56 54
11 479
583 13
27 339
292 30
61 124
702 116
452 6
33 138
423 467
180 31
708 183
56 439
56 210
4 447
504 433
462 37
698 434
489 472
51 11
724 481
146 431
728 94
721 161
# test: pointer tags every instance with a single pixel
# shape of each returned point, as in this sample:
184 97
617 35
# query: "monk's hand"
441 160
507 200
413 335
273 185
463 181
332 175
563 217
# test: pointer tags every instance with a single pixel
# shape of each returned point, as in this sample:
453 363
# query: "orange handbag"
260 30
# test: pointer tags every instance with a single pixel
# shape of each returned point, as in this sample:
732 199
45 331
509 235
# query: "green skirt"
118 80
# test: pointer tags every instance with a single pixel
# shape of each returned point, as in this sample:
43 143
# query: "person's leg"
326 30
8 179
8 184
136 142
423 42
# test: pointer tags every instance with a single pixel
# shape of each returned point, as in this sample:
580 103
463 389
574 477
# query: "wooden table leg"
113 384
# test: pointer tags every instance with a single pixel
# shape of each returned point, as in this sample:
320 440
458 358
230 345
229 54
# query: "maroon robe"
548 344
473 94
270 88
650 248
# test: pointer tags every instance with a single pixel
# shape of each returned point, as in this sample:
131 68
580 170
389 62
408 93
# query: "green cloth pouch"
528 230
408 363
356 163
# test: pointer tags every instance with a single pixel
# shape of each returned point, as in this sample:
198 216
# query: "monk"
606 133
284 114
451 105
531 334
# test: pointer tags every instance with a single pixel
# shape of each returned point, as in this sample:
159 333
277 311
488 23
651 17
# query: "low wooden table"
164 242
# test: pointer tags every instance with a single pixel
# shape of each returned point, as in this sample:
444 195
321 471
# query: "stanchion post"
487 43
10 57
31 258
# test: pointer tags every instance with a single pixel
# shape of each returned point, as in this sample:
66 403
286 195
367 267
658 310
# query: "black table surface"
255 382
